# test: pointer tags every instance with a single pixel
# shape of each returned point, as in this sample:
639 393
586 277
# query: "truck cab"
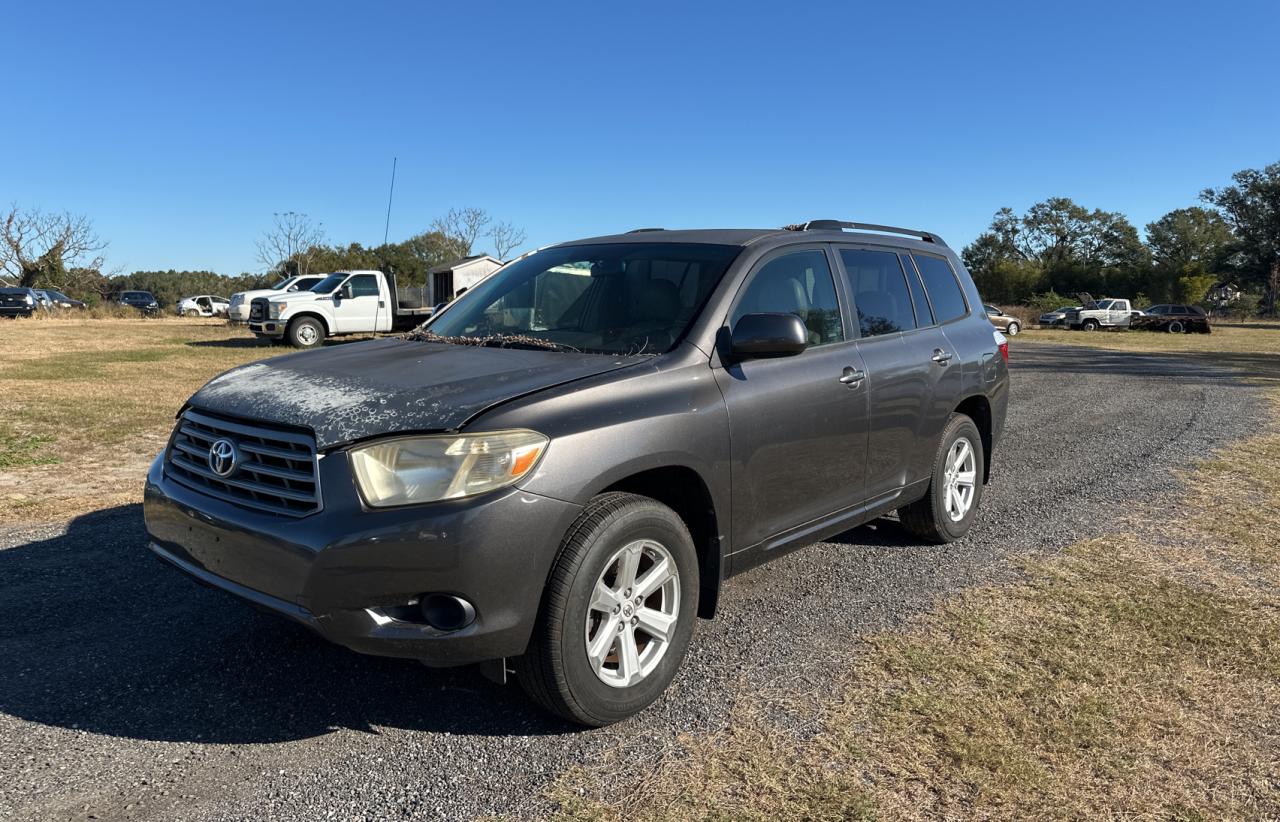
345 302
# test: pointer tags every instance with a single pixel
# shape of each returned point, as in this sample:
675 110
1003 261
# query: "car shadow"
98 635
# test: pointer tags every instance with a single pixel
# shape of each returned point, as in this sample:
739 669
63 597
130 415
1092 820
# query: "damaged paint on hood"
352 392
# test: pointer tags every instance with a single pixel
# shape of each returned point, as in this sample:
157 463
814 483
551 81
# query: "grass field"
86 403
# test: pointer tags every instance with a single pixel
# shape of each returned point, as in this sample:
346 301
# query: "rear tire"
1014 329
557 670
933 518
1175 327
305 332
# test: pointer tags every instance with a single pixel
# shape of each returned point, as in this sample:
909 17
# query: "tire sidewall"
960 426
1014 329
296 325
598 700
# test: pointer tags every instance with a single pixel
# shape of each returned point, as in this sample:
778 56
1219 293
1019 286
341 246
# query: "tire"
1089 325
182 312
929 518
305 332
1013 329
556 670
1175 327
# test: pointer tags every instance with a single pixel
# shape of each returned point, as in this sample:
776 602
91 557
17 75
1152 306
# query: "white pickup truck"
238 312
345 302
1094 314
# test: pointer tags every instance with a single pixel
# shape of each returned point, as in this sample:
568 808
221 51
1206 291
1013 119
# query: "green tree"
1252 207
1190 244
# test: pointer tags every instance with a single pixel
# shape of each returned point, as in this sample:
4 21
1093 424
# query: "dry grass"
1131 677
86 403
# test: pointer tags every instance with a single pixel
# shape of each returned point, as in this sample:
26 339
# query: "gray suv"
556 474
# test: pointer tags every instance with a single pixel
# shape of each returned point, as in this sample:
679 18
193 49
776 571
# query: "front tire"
949 506
1014 328
305 332
1090 325
617 612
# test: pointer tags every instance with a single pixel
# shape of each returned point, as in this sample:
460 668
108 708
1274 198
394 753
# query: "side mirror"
768 335
346 291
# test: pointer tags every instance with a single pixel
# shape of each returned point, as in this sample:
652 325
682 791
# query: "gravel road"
127 691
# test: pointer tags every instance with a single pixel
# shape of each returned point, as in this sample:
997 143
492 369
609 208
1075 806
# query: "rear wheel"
1013 329
617 612
947 510
305 332
1175 327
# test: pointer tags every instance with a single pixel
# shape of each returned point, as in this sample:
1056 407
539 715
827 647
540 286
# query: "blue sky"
180 128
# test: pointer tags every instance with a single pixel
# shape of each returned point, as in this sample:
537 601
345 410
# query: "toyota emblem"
223 458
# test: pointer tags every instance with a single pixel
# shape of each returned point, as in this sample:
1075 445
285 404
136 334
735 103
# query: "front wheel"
1014 328
1090 325
617 612
305 332
947 510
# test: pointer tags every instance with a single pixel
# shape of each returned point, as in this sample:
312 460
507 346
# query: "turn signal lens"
427 469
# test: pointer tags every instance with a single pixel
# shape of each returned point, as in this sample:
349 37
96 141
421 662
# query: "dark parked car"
1175 319
556 473
56 299
144 301
19 302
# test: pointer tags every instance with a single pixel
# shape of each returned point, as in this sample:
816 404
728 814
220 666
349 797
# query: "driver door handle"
852 377
941 357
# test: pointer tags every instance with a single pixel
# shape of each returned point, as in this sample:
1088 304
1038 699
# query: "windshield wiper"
492 341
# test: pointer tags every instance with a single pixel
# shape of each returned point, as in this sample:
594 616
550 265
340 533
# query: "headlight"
427 469
274 309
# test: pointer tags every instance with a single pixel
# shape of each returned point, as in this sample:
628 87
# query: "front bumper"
268 328
348 573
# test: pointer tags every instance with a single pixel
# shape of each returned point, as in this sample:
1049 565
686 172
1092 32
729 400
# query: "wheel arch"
683 490
978 409
324 321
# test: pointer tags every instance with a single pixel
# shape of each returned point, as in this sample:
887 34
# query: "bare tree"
36 247
288 244
464 225
506 237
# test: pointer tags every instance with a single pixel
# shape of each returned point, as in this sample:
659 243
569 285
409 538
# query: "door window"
363 285
943 287
799 283
879 289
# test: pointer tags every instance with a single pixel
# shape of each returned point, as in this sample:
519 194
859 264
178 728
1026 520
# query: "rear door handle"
941 357
852 377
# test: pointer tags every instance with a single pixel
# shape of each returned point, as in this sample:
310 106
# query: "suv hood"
351 392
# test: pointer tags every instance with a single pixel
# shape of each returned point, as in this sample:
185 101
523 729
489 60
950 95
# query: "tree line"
1058 247
62 251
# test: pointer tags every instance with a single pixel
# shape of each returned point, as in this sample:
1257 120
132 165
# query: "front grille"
276 472
258 309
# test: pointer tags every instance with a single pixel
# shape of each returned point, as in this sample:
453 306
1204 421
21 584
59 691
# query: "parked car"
1056 316
144 301
1094 314
1175 319
238 311
204 305
1002 321
56 299
19 302
346 302
556 473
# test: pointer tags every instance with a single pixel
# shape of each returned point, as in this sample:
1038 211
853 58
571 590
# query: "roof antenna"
387 228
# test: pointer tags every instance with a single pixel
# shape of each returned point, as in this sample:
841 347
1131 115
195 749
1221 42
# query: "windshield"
328 284
283 284
619 298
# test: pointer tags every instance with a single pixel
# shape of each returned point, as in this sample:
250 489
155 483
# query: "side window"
943 287
924 314
879 290
799 283
363 285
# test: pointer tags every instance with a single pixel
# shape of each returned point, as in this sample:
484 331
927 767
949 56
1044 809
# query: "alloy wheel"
633 611
959 477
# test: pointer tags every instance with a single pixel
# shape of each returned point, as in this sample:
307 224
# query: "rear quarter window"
944 289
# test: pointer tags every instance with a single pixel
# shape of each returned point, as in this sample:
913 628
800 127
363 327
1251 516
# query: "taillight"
1002 342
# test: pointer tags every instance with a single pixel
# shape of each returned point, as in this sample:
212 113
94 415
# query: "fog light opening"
446 612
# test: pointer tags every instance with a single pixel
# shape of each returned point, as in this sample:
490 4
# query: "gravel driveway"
127 691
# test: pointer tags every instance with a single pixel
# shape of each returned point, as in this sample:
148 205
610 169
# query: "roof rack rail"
642 230
839 225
